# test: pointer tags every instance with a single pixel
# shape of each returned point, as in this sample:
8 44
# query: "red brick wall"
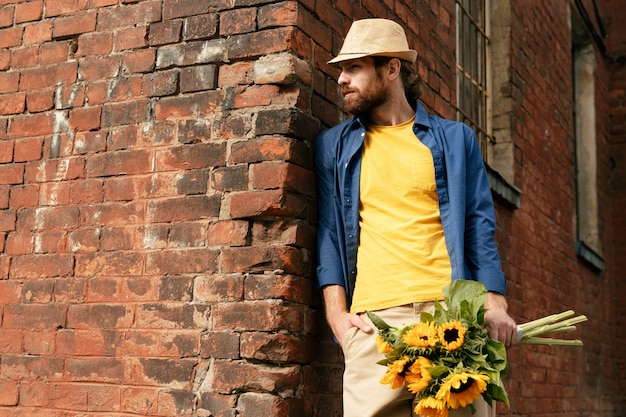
157 208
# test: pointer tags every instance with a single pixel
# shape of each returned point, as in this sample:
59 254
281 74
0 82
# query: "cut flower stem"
556 323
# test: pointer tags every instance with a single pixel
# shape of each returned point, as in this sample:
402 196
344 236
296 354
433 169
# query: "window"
584 62
473 64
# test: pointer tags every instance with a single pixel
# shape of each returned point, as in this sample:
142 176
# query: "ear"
394 67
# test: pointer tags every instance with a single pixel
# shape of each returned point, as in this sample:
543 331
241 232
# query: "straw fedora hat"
375 37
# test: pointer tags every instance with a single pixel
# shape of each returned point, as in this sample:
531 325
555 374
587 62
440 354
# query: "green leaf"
377 321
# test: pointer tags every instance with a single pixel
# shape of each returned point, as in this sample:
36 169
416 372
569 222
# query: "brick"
41 266
7 220
40 100
117 163
55 194
179 8
112 214
172 316
139 61
267 203
192 53
178 402
106 370
260 43
254 404
198 78
283 122
172 373
95 43
11 174
74 25
277 348
34 316
256 316
9 82
9 394
125 113
69 396
130 38
255 96
99 342
163 33
218 288
24 57
27 12
28 150
192 156
131 15
86 192
271 175
220 345
19 243
54 52
230 178
109 263
232 125
5 59
188 105
51 75
34 394
203 26
260 259
54 170
36 33
228 233
140 400
282 69
86 118
233 376
64 7
162 83
6 16
40 342
12 103
238 21
173 344
276 286
182 261
11 37
99 316
26 196
97 68
11 341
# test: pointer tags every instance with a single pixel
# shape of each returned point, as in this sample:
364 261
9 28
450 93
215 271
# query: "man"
405 207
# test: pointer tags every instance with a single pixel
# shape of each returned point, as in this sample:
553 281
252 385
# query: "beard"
365 99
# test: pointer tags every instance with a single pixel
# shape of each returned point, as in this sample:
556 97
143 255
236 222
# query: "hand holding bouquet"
448 359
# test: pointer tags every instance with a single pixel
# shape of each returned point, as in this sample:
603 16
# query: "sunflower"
431 407
383 346
417 376
452 335
462 388
421 335
395 373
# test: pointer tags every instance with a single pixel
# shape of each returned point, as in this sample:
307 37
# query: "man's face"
362 85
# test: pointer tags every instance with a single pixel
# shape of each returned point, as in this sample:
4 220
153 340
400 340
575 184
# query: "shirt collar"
421 117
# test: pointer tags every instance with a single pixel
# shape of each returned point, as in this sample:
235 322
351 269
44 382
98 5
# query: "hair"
410 77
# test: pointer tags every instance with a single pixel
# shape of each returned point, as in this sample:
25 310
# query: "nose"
343 78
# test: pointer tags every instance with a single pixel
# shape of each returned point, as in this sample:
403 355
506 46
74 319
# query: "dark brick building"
157 200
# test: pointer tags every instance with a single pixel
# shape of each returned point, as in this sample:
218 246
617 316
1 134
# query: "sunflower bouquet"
448 359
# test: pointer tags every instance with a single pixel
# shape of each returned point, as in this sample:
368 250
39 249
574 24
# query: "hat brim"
409 55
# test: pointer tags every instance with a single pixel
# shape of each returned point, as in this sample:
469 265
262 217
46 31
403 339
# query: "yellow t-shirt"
402 256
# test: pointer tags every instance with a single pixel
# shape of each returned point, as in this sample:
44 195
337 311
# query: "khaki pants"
363 394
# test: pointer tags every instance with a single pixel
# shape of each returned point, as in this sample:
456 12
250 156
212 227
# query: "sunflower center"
464 386
451 335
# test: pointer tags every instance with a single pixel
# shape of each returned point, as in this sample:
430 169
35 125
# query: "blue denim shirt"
465 201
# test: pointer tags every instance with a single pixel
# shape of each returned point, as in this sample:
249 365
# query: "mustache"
346 90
